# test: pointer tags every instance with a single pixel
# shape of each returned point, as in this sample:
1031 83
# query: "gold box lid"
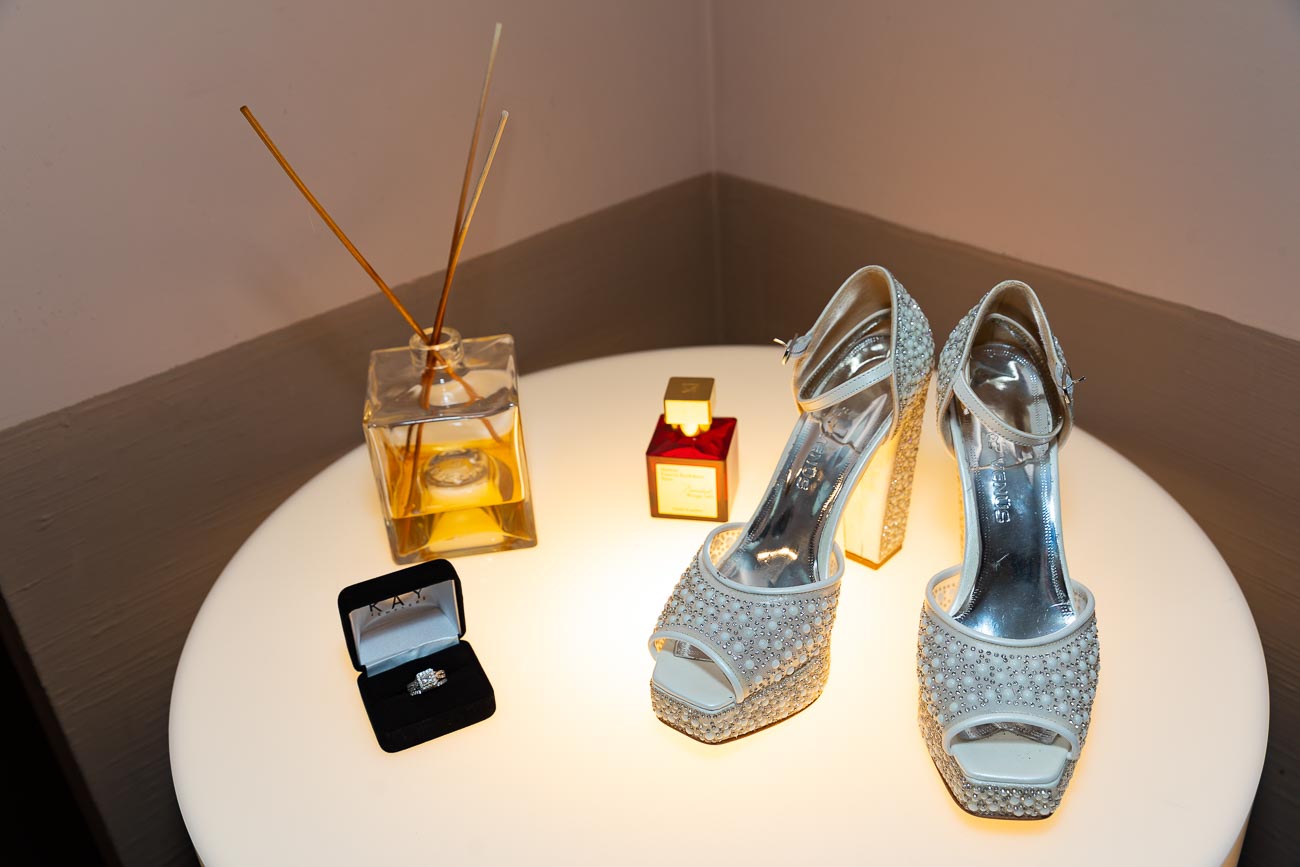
688 403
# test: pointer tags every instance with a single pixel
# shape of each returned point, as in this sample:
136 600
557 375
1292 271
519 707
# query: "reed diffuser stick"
457 228
474 136
458 241
329 221
356 254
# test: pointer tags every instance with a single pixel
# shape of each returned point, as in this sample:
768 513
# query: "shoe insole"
699 682
1004 757
1019 590
790 532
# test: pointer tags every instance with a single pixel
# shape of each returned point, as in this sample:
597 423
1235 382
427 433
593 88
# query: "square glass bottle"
692 459
447 447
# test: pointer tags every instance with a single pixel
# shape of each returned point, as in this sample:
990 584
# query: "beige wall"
1155 146
1151 145
143 225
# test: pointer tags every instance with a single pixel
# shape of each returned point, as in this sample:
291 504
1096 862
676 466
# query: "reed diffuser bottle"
442 415
446 443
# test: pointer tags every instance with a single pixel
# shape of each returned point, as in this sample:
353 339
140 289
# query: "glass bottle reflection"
446 444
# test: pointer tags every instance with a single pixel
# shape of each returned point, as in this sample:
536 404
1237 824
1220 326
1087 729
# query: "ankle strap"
872 375
911 350
877 373
978 408
952 376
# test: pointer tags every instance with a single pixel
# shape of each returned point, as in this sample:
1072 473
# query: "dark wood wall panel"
1204 405
121 511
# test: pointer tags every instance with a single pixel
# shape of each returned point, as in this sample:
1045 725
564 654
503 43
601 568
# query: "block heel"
875 518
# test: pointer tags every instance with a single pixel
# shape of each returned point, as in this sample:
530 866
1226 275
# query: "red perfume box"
692 476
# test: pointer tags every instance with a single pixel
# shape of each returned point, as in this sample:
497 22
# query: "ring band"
426 680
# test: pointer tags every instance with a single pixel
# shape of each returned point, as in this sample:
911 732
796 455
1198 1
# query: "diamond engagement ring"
426 680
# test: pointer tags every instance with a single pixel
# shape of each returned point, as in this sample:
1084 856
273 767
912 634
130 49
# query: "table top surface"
274 761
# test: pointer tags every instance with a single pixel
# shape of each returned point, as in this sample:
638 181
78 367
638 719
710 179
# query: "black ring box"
399 624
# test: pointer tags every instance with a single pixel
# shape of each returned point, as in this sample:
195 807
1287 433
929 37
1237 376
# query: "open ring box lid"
398 625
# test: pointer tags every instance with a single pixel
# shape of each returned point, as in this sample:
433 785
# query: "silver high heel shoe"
1008 656
744 639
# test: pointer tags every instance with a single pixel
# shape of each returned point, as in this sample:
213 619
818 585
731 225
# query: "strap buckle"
1070 382
789 346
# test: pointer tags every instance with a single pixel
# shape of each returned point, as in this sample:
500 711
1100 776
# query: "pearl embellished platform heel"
1007 655
744 640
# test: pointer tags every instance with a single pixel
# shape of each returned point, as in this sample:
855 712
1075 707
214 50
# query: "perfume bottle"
691 462
447 447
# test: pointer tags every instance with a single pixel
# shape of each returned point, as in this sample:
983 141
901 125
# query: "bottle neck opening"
447 354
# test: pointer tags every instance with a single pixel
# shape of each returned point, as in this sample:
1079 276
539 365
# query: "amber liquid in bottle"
463 498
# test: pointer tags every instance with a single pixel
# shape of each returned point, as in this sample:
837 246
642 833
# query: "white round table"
274 761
